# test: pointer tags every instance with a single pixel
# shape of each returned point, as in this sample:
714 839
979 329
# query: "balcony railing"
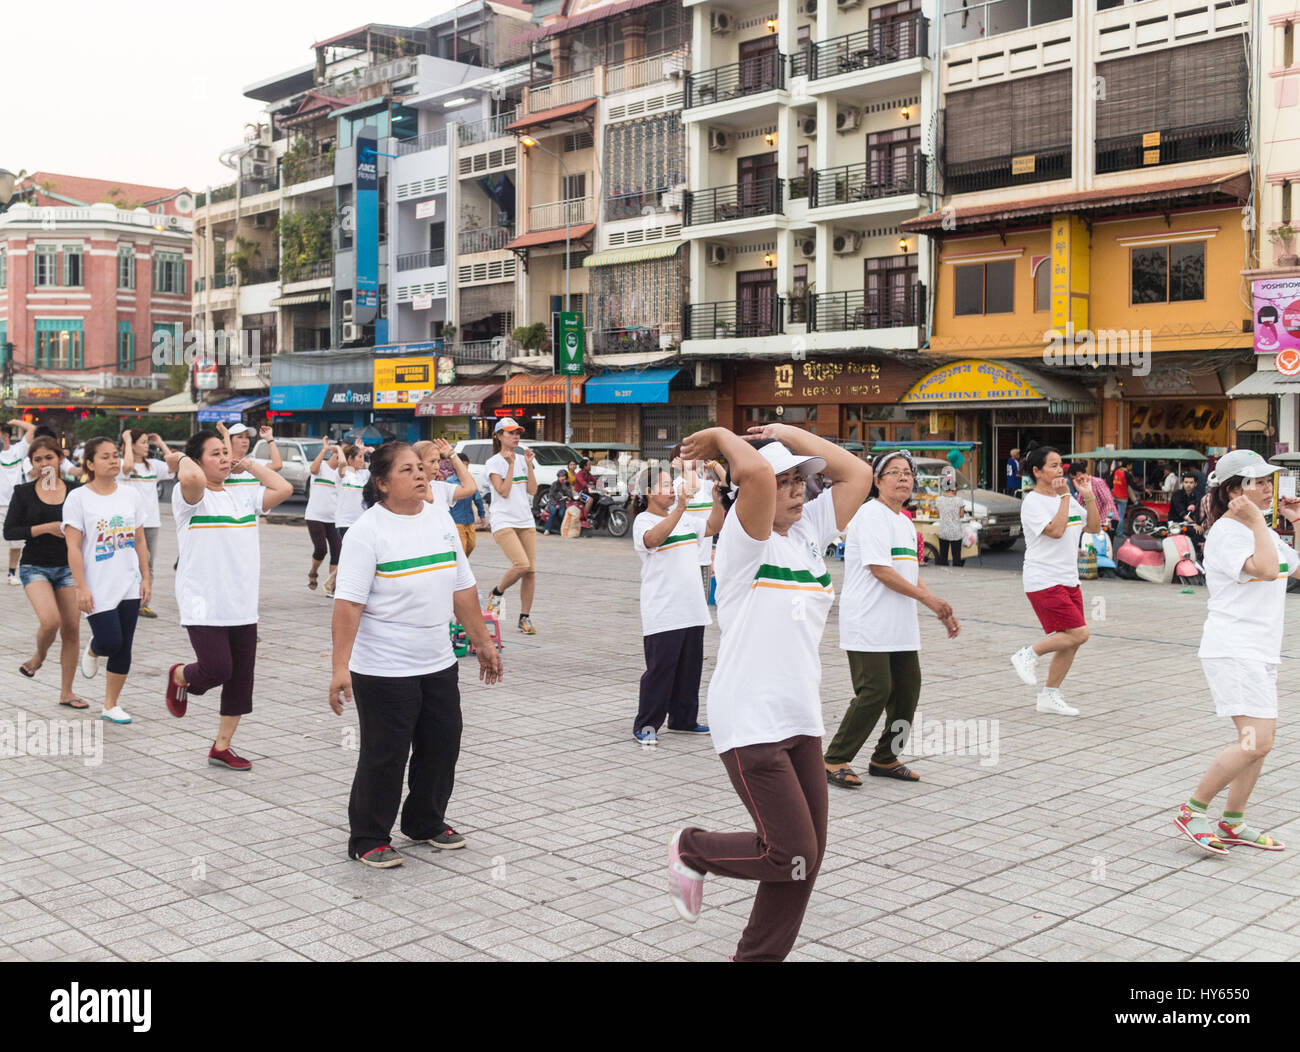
641 72
635 340
577 88
261 276
747 77
252 187
304 171
1049 163
1181 144
562 213
733 318
865 309
636 203
760 197
214 281
434 257
322 268
877 46
496 350
888 177
484 130
422 142
485 239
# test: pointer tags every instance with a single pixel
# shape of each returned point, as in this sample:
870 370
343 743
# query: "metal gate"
662 426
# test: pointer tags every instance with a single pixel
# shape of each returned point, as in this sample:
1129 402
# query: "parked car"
551 456
997 514
298 453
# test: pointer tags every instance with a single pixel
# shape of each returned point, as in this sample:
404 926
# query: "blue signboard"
366 238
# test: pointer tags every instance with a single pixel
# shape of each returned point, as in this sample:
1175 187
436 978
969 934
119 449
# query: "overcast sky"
151 92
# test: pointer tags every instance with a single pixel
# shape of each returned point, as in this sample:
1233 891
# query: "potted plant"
1283 237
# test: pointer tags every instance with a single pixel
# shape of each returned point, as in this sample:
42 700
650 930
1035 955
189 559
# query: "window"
575 141
58 343
168 272
1168 273
575 258
985 288
573 187
74 273
126 266
1286 218
46 262
125 347
1043 285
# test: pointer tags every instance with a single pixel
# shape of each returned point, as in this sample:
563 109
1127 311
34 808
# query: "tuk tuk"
1147 507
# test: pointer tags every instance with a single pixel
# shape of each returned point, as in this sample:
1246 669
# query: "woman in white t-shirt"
217 579
673 609
322 508
879 626
445 473
696 485
103 523
773 593
513 527
352 480
1246 569
13 470
1053 521
402 580
142 473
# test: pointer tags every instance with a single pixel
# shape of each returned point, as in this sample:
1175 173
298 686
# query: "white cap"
1243 463
782 460
237 429
507 424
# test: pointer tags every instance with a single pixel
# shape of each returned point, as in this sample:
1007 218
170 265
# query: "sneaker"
1249 837
14 579
448 840
146 612
1195 825
699 728
116 714
685 886
1025 662
526 625
647 736
1050 701
494 603
227 758
89 662
177 699
385 857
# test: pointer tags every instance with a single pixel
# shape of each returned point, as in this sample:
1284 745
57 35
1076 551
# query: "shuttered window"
1184 87
1008 119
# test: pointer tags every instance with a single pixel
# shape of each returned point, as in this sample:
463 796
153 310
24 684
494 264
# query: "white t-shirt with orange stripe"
1245 614
773 598
874 618
220 557
404 569
671 594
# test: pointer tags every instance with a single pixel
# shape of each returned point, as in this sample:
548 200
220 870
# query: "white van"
550 458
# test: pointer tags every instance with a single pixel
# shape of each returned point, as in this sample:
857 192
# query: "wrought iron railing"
877 46
494 350
758 197
887 177
632 340
485 130
251 187
865 309
988 173
485 239
261 276
760 316
434 257
746 77
1195 143
422 142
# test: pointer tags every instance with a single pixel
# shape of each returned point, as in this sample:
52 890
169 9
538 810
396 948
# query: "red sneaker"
228 758
177 697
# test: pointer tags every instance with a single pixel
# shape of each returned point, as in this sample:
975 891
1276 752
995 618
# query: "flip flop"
72 703
311 581
897 769
29 672
842 776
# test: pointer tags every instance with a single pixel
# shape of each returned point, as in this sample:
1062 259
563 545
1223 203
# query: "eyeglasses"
795 482
898 475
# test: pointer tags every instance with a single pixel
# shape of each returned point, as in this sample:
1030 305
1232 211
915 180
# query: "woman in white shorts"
1246 570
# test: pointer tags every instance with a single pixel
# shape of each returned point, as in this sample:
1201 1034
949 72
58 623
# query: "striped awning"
632 254
531 389
301 299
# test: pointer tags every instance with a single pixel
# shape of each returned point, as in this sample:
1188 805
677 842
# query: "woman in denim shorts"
35 517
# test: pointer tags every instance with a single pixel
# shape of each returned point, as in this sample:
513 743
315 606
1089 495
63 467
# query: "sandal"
841 778
76 703
897 769
311 581
28 671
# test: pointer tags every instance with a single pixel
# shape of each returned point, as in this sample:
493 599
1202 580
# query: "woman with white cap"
322 509
1246 569
513 486
879 626
773 595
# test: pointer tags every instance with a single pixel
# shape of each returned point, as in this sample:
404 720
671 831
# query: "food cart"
929 484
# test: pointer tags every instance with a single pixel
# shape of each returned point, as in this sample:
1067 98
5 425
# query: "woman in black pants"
402 579
322 509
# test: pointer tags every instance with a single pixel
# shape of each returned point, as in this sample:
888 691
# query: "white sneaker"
1050 701
1025 662
14 579
89 663
116 714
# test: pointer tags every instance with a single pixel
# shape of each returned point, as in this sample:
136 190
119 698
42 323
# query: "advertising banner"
1277 315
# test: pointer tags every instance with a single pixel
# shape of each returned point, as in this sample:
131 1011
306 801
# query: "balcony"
865 309
737 80
1197 143
733 318
253 187
494 350
634 204
1052 162
646 72
261 276
215 281
543 97
422 142
308 169
878 46
435 257
562 213
485 239
291 273
868 181
485 130
638 339
760 197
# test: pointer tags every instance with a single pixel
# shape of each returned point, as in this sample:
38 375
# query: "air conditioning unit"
718 255
722 22
351 332
261 153
261 171
848 119
173 222
846 242
808 8
262 221
719 139
808 126
707 373
671 201
807 247
848 5
347 310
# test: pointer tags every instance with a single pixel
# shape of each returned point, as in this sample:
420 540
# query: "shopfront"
234 411
536 401
648 408
308 410
1178 405
460 411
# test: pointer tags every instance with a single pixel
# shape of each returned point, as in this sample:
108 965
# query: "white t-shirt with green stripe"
218 572
773 597
11 470
700 504
323 495
874 618
351 483
515 511
1050 561
671 596
144 480
404 569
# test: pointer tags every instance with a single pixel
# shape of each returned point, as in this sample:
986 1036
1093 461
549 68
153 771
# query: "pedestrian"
352 481
217 579
143 473
467 513
446 474
35 517
514 485
11 475
696 485
1106 510
239 438
1247 566
879 626
1119 488
1013 473
666 534
586 486
402 580
322 508
1053 522
773 594
951 508
558 499
103 523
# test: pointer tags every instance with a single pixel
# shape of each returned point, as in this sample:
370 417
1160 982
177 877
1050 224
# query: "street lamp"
529 143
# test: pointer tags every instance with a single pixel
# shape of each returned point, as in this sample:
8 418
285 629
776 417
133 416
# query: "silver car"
997 514
298 453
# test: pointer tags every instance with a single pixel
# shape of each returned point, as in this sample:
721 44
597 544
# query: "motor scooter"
1181 552
1163 556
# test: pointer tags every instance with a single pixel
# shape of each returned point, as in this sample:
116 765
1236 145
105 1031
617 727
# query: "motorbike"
609 514
1162 556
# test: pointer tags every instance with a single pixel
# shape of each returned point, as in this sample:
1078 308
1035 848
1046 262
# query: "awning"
301 299
457 400
635 254
563 25
555 113
231 410
641 388
1265 382
1171 380
550 237
177 403
976 383
531 389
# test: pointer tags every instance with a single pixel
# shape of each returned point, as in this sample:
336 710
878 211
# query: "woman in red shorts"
1052 522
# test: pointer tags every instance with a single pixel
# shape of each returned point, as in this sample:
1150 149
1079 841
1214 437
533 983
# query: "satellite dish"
184 204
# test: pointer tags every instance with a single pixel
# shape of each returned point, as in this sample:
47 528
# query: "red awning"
531 389
550 237
556 113
593 15
457 400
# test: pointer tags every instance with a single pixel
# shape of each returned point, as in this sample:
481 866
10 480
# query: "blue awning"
649 385
231 410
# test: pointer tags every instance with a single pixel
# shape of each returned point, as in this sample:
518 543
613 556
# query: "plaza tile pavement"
1062 850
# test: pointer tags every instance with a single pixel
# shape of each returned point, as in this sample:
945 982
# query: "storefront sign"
1277 315
366 241
422 301
315 397
205 374
1288 362
1071 263
823 381
401 382
1194 425
42 392
427 209
1023 165
446 370
971 381
568 343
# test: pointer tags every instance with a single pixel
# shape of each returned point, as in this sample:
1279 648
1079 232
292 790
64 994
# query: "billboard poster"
1277 315
366 220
